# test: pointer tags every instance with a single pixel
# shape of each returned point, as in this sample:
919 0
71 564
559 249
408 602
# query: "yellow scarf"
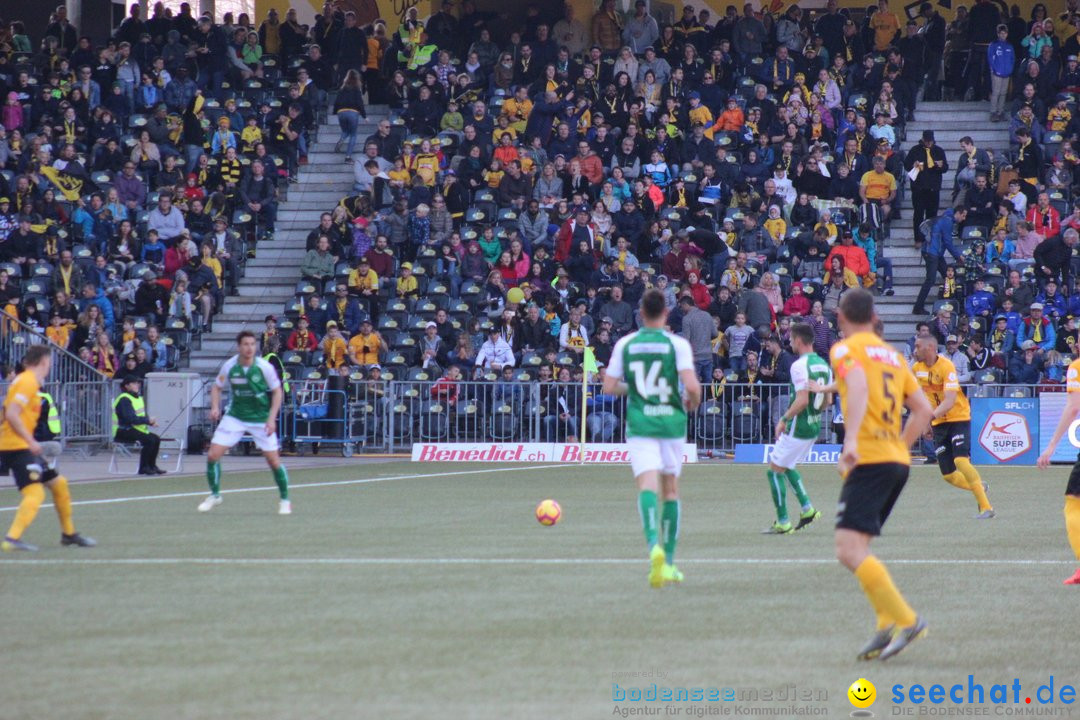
929 158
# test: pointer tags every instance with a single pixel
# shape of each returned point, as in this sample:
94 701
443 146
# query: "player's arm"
276 396
802 399
12 414
919 413
946 405
693 389
613 385
215 402
1072 407
858 392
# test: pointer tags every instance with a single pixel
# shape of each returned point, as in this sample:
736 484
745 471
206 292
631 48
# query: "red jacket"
854 256
565 237
1047 223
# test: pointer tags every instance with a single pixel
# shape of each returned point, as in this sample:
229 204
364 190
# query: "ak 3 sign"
1005 430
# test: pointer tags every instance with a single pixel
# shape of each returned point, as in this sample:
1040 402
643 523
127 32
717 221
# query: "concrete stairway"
272 276
950 121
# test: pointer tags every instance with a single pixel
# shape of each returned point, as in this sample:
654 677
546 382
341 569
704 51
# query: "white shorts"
663 455
790 451
231 431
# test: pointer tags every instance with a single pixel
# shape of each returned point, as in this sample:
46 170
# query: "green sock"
213 477
281 477
779 495
647 508
669 521
795 479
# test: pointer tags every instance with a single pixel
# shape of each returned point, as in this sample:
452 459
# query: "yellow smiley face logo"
862 693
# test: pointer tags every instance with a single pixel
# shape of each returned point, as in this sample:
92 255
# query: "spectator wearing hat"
1055 304
959 358
1025 367
131 424
930 162
366 345
1037 328
302 338
495 353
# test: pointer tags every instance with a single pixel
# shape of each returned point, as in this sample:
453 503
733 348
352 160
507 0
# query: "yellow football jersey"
889 383
1072 377
938 379
23 393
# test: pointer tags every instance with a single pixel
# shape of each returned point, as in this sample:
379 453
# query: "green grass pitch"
442 597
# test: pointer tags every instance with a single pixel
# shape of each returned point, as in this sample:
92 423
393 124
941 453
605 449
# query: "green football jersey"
249 388
649 361
810 367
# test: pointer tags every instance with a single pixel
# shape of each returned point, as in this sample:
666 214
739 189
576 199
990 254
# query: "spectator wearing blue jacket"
1037 328
1025 367
93 295
934 254
1000 249
1073 304
1001 57
1054 303
981 302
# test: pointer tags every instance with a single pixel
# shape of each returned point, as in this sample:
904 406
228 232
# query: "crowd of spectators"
138 172
531 180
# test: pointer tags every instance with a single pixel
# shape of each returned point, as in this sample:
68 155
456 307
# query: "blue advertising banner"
753 454
1004 431
1051 407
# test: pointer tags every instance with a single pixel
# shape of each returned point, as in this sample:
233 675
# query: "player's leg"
807 513
58 486
946 463
269 446
778 491
961 452
33 494
781 458
867 498
1072 518
229 432
646 465
671 457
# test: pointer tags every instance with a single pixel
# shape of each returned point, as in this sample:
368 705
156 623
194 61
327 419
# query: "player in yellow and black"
951 421
875 385
1072 490
21 455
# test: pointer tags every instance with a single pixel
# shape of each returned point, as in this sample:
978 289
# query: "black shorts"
952 440
868 496
26 467
1073 487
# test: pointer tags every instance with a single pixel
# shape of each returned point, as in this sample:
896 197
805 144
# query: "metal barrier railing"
85 410
16 336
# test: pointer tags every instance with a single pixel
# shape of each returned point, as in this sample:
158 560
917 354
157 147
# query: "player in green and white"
255 397
648 366
797 431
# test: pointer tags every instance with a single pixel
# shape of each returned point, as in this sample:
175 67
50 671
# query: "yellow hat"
223 121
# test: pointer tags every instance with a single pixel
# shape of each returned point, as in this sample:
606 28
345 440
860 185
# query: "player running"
1072 490
797 430
25 458
653 362
951 421
255 397
875 384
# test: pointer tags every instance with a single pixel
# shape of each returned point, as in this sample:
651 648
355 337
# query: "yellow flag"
590 362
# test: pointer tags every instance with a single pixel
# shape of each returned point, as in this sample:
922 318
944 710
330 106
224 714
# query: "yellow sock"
883 595
957 479
974 482
1072 522
32 497
62 500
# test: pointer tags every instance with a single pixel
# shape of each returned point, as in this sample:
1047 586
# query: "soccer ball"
548 513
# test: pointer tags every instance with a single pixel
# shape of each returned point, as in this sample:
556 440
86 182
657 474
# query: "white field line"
498 561
329 483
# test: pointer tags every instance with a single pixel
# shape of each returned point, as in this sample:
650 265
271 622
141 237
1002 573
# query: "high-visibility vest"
53 418
270 358
138 404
